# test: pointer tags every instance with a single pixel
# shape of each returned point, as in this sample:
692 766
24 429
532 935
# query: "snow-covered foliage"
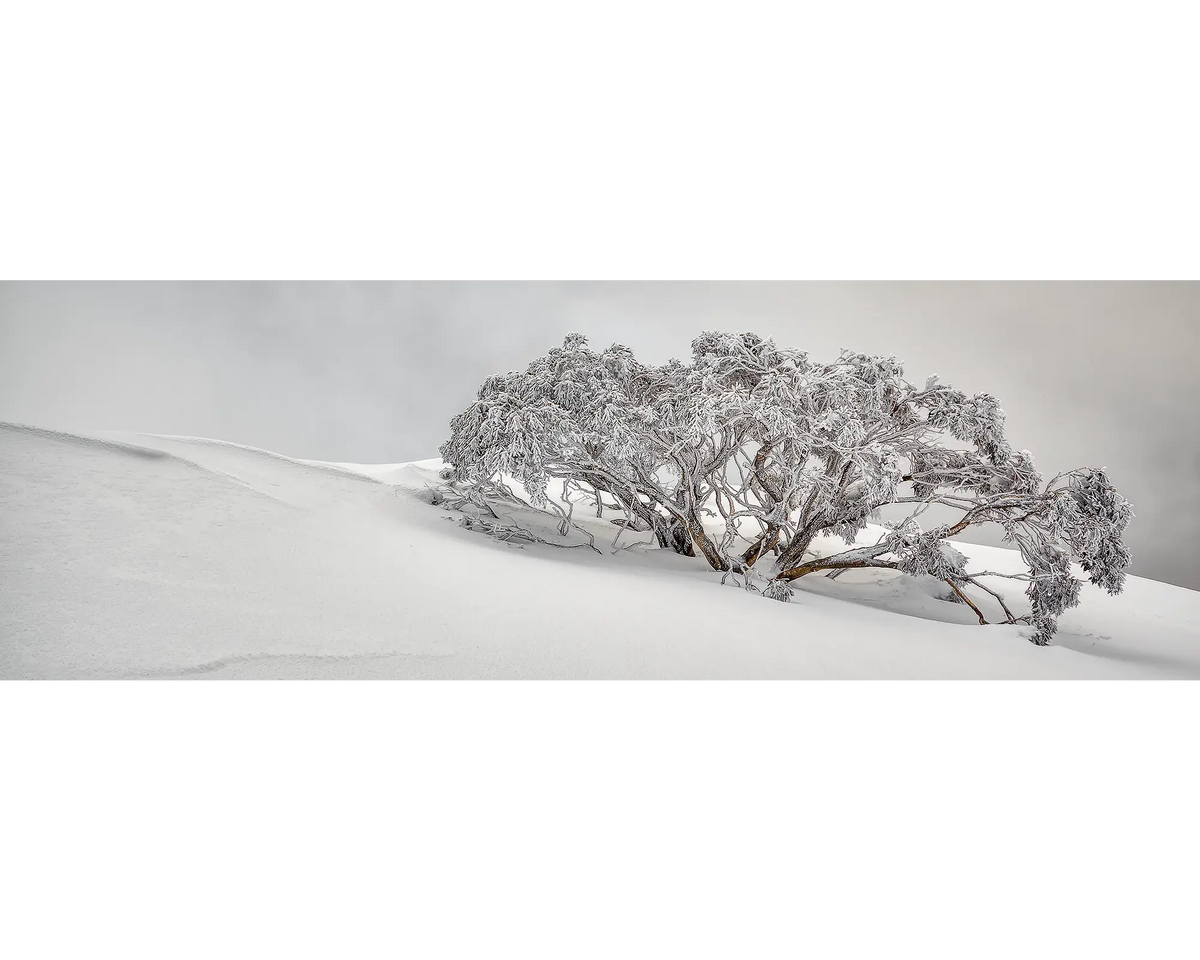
781 449
779 590
924 554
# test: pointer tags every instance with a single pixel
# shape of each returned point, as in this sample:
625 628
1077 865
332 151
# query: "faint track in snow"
221 663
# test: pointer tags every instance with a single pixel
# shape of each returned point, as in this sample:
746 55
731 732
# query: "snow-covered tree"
602 423
782 450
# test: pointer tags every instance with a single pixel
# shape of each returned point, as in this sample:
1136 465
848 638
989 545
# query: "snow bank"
148 556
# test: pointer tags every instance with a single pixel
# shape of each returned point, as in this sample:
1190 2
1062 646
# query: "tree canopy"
782 449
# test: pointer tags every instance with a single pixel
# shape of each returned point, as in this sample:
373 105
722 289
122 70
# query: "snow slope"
133 556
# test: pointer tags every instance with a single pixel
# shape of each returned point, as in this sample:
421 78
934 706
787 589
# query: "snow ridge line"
258 451
133 449
150 453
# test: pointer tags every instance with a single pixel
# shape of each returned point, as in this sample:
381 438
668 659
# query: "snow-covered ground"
135 556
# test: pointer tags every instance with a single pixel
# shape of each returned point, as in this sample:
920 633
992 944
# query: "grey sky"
1098 374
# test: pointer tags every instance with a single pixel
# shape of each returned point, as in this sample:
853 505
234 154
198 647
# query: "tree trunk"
681 541
673 535
791 554
705 543
764 544
670 533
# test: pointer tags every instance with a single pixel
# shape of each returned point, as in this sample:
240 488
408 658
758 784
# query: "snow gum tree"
776 450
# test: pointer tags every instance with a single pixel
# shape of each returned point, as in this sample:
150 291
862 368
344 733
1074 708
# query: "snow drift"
134 556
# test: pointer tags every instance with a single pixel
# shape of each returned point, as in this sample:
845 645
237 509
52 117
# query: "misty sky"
1089 374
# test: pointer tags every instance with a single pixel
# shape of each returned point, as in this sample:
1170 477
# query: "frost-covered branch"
510 531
